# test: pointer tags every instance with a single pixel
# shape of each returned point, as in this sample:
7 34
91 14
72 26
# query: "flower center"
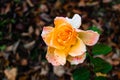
64 36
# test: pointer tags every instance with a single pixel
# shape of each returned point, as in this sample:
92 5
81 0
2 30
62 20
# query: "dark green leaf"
100 65
34 54
101 49
6 21
94 28
1 36
2 23
16 1
12 21
81 74
100 78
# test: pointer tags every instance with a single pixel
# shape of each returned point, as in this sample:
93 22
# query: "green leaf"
94 28
2 47
2 23
12 20
81 74
99 49
100 78
100 65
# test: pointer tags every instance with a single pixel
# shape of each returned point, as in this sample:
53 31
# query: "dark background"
21 45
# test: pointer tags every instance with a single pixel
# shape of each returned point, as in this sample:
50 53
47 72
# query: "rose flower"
66 42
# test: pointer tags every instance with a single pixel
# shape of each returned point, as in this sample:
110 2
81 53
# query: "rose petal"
56 57
60 56
77 59
89 37
47 34
51 57
78 49
46 30
59 20
75 21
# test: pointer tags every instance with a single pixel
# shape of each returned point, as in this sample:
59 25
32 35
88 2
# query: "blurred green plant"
81 74
100 65
17 1
1 36
2 47
100 78
99 49
6 21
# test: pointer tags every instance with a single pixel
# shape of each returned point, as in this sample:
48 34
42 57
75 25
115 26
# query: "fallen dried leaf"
11 73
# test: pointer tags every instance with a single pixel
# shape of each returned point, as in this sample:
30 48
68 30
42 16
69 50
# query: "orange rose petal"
61 28
55 43
59 20
78 49
51 57
48 36
77 59
89 37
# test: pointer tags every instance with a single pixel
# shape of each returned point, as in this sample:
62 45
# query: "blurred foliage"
101 49
100 65
2 47
100 78
81 74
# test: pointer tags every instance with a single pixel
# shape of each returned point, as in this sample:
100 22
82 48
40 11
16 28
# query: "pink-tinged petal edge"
47 35
55 57
89 37
46 30
78 49
77 59
51 57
